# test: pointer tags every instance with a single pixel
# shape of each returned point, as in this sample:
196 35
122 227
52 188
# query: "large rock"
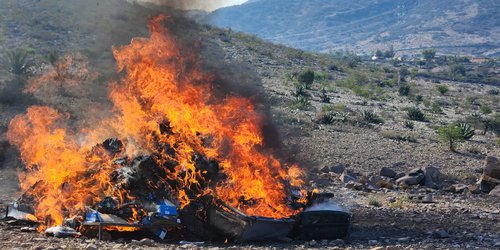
495 191
432 176
426 176
387 172
491 174
345 178
411 179
492 167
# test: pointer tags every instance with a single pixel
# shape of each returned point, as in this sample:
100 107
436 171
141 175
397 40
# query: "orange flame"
161 85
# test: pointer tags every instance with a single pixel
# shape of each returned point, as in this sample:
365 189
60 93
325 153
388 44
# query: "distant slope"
452 26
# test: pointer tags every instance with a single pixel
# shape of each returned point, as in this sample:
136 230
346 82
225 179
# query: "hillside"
454 27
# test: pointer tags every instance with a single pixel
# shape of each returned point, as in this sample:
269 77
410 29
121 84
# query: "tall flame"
160 86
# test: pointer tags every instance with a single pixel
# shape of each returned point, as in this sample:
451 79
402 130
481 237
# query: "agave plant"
18 61
415 114
370 117
466 130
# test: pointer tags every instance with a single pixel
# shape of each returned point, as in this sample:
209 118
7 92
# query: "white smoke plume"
207 5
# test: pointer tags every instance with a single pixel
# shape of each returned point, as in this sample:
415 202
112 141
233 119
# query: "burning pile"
173 141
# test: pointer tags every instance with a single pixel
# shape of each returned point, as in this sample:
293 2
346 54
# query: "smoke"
208 5
326 206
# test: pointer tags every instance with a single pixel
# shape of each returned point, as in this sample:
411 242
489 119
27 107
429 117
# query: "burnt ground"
471 220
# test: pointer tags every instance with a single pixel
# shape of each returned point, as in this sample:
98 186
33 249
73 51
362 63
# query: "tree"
403 73
306 78
450 135
443 89
429 54
390 52
379 54
457 69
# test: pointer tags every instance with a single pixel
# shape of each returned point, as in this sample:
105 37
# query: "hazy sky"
208 5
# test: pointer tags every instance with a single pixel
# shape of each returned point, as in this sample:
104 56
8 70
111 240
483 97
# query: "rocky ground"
342 158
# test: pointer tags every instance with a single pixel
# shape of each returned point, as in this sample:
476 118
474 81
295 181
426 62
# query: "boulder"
495 191
410 180
440 234
345 178
387 172
491 174
338 169
432 176
399 175
492 167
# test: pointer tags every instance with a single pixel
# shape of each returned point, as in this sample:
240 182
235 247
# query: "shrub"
450 135
415 114
306 78
404 90
300 90
18 61
466 131
443 89
409 124
419 98
495 124
374 202
429 54
395 135
370 117
436 108
494 91
302 102
485 109
329 117
457 69
403 73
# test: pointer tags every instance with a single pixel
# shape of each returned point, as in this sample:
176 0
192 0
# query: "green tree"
403 73
450 135
443 89
306 78
379 54
429 54
455 70
390 52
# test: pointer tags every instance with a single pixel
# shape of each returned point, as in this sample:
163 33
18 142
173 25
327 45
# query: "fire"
163 98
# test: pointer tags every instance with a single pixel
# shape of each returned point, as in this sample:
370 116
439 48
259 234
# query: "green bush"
306 78
374 202
415 114
300 90
443 89
18 61
404 90
301 102
436 108
409 124
451 135
329 117
485 109
370 117
466 131
494 91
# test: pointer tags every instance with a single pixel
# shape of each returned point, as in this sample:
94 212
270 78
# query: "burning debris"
172 160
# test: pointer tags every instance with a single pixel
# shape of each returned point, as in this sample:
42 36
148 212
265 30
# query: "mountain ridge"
456 27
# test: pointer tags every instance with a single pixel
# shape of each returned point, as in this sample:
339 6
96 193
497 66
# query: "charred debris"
153 213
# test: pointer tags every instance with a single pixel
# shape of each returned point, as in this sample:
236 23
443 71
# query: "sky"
208 5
